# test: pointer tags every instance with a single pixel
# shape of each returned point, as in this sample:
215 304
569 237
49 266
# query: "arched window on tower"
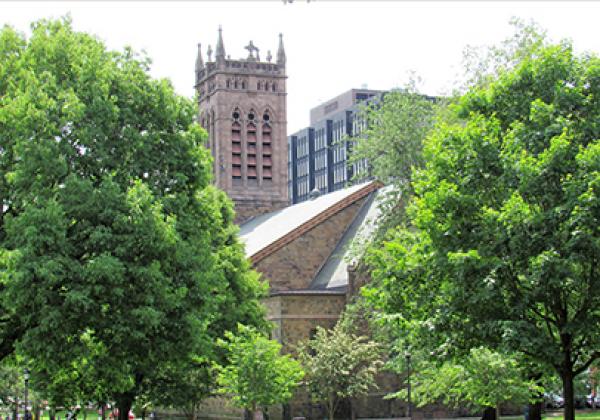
236 147
243 85
251 147
267 161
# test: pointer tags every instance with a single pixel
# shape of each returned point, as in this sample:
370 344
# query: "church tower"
242 105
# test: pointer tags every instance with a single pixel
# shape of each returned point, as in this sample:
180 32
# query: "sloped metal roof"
334 272
264 230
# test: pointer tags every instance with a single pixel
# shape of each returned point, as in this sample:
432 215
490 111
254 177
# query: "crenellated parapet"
247 73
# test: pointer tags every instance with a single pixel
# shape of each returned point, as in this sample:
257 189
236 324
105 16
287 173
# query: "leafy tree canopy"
503 241
482 379
339 365
392 130
117 257
257 375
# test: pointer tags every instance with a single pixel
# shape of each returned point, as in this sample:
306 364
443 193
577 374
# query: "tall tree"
117 256
504 242
390 140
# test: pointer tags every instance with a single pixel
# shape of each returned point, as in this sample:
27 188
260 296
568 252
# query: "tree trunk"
489 413
331 409
352 412
124 403
286 412
52 414
535 411
102 411
568 394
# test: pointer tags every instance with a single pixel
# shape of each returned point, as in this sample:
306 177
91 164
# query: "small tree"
257 374
483 380
339 365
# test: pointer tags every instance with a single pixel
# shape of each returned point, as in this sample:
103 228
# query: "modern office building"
318 155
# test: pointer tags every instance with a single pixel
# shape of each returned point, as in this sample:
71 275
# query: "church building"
242 105
301 250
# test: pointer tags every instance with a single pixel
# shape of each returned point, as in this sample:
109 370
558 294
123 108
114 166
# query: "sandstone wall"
294 266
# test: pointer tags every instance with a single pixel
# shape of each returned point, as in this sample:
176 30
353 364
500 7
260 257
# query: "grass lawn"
62 414
583 414
558 414
91 415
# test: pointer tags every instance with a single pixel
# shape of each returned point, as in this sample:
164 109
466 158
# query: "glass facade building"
318 155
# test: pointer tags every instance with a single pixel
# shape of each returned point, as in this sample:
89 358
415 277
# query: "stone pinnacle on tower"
220 51
281 52
199 61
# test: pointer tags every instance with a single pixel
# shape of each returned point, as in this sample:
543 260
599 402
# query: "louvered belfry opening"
267 161
236 147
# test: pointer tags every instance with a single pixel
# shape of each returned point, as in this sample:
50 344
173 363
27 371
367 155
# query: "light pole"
407 356
26 377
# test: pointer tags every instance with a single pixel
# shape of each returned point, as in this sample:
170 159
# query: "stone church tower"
242 105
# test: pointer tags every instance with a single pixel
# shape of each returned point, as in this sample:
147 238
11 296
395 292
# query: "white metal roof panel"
265 229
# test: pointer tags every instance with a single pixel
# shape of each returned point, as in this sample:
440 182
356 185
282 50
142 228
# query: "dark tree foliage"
117 256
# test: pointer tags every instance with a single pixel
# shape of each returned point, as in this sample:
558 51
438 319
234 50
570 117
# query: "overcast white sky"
331 46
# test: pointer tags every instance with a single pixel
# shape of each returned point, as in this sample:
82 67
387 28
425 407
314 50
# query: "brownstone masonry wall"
295 316
246 210
294 266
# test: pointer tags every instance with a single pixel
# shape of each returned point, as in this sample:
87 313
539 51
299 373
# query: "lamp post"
407 356
26 377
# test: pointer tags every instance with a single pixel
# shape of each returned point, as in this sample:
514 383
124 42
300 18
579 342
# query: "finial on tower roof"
251 49
220 51
281 52
199 61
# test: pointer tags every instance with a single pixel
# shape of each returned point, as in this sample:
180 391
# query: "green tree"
257 375
391 141
484 379
483 64
117 256
503 242
12 385
184 387
393 134
339 365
